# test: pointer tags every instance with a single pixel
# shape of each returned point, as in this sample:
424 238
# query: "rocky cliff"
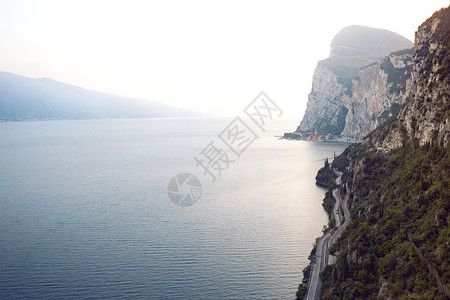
425 118
398 188
325 110
354 91
378 93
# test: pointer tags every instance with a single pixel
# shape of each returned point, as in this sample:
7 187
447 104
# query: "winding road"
326 241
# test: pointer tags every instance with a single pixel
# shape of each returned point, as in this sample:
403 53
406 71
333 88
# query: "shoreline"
321 258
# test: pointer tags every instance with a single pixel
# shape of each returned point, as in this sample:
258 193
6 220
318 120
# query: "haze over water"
84 212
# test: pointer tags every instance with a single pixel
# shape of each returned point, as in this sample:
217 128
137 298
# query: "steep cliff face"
397 183
425 118
344 89
378 93
325 110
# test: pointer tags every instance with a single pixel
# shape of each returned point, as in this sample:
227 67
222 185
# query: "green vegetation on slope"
398 241
326 177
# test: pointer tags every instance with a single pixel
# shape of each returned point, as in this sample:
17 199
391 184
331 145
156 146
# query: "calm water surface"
84 212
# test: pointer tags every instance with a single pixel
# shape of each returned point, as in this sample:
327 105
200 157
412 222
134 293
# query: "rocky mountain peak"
361 84
356 40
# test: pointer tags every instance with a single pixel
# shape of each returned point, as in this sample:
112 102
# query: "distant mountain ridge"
361 84
23 98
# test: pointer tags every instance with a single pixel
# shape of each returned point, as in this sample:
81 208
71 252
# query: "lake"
85 212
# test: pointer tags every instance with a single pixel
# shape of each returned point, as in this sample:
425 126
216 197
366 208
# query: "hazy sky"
210 56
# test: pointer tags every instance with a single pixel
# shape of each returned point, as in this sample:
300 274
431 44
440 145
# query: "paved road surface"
326 241
319 263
